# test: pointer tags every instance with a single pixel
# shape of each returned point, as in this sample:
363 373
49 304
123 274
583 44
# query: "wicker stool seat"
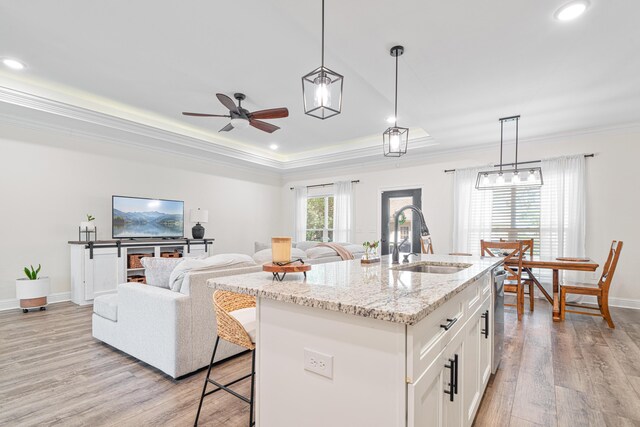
236 322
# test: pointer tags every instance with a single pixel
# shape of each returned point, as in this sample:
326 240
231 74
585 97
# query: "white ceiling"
466 64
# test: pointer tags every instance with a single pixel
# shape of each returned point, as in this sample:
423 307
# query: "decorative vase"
32 293
87 226
280 249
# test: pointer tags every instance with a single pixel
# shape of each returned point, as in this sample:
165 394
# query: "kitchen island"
372 345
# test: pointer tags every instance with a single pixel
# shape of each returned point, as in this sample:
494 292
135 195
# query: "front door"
408 223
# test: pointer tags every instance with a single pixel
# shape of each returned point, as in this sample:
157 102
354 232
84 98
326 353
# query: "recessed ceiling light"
391 119
14 64
274 146
571 10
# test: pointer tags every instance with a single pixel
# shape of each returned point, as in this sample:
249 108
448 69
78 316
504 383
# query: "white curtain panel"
471 211
563 207
300 219
343 213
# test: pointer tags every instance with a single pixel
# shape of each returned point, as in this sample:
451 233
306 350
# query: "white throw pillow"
158 270
306 245
321 252
264 256
260 246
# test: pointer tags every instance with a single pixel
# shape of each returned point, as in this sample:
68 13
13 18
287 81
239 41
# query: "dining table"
555 264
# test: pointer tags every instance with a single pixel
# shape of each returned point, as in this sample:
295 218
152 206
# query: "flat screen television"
137 217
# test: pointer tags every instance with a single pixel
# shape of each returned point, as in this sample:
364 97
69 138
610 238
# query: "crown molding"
146 136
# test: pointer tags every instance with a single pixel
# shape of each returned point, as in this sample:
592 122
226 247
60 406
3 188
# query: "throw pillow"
260 246
158 270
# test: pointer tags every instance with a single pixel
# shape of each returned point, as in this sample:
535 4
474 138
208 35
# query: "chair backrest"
512 252
229 328
610 266
527 245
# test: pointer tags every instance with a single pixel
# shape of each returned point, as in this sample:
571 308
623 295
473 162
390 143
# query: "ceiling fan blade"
227 128
272 113
227 102
204 115
264 126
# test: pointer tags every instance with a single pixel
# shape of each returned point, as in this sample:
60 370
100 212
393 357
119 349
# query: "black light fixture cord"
517 121
322 62
395 114
501 141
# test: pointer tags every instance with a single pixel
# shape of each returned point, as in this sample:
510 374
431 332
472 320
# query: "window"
320 219
515 214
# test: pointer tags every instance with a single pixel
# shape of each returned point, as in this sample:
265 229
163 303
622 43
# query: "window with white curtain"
553 214
320 211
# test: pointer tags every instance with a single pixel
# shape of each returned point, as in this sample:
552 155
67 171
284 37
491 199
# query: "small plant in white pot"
33 290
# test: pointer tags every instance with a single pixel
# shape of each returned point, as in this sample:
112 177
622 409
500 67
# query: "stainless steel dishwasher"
498 276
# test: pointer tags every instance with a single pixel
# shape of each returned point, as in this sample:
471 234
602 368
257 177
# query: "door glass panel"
405 223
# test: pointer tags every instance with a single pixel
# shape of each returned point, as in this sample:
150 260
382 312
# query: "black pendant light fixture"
395 138
500 178
322 88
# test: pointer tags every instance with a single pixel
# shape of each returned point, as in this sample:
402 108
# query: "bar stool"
236 321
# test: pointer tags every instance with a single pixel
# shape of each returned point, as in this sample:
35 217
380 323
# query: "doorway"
408 228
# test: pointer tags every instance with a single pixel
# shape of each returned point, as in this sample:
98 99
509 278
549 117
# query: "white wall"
49 182
613 198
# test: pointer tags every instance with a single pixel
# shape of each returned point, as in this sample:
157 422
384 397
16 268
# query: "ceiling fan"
241 118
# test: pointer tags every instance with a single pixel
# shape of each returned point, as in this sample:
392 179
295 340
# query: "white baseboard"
615 302
10 304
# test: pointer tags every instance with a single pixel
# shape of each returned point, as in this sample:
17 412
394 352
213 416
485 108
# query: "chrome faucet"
424 230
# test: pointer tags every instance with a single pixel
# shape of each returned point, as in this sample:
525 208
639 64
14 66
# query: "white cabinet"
99 270
448 392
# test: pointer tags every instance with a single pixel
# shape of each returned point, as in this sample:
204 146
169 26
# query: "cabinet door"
430 399
426 398
486 344
470 383
453 411
103 273
195 251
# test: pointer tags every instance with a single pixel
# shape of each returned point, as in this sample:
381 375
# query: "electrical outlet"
321 364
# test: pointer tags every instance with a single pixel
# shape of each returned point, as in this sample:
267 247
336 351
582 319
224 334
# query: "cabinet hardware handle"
450 324
451 367
485 331
455 368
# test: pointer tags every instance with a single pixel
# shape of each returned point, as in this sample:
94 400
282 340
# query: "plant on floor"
33 273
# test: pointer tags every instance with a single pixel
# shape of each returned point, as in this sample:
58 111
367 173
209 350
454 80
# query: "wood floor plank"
576 408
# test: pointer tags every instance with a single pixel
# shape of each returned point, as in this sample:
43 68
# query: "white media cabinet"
98 267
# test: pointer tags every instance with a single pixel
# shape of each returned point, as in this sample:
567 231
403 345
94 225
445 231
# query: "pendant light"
322 88
527 177
395 138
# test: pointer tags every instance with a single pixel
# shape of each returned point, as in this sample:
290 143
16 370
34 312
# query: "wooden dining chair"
527 278
600 291
512 251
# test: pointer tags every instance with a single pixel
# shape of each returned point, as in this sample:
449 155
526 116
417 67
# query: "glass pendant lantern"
322 88
516 177
395 138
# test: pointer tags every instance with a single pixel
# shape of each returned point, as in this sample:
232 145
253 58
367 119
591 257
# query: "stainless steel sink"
432 268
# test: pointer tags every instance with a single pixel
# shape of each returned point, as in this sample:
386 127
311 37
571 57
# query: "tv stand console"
98 267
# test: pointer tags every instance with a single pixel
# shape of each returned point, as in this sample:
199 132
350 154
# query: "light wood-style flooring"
52 372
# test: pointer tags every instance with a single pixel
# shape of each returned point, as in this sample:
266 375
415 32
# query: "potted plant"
371 250
32 291
88 225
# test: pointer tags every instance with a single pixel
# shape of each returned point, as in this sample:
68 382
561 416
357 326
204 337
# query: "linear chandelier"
395 138
322 88
515 177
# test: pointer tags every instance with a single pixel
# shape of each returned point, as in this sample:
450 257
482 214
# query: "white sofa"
172 331
310 252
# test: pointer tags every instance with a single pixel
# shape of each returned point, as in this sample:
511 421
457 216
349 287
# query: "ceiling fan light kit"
322 88
395 139
516 177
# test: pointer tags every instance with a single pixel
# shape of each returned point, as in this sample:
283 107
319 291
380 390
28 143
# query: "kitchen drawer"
428 337
478 292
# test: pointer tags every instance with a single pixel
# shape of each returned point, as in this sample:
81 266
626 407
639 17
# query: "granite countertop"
371 290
